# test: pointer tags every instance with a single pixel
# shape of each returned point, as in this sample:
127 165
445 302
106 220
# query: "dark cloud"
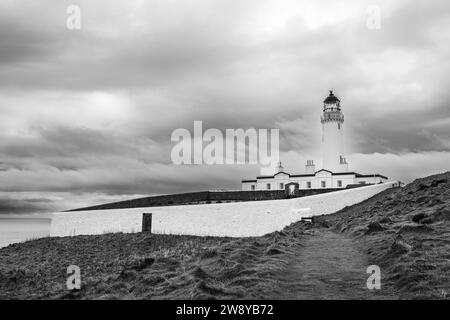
23 206
91 111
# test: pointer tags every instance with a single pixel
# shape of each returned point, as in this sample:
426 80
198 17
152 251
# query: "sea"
19 229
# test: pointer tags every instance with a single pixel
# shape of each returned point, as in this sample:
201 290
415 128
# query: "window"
339 126
281 185
268 186
253 187
324 184
339 183
308 184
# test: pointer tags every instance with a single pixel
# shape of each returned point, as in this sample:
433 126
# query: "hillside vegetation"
405 231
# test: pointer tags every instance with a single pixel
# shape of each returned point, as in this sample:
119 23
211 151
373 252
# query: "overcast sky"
86 115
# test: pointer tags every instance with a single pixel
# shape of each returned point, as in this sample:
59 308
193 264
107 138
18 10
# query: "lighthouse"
334 173
332 121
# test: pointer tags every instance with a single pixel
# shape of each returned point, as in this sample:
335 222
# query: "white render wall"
331 202
238 219
247 186
331 181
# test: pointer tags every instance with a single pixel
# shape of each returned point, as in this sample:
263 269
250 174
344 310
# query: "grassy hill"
405 231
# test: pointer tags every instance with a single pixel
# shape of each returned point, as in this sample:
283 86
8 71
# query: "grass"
413 254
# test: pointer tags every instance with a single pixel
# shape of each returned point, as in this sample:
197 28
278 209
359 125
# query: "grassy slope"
407 233
414 256
136 266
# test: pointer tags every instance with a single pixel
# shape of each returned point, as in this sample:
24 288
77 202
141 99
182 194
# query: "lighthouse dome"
331 99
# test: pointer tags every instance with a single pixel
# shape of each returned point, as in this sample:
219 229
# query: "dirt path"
328 266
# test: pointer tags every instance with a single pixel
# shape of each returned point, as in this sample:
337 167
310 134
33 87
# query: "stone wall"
204 197
237 219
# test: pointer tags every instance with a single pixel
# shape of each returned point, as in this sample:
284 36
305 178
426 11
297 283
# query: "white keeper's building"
334 172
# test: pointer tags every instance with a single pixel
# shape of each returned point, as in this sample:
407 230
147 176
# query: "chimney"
310 167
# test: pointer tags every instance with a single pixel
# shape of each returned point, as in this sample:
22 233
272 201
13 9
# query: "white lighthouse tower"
333 135
334 173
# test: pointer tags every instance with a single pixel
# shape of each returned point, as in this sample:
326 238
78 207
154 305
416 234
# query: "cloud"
9 205
91 111
405 167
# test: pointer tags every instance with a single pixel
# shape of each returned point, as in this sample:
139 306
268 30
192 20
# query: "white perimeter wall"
238 219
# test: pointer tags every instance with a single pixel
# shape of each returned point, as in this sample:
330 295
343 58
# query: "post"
147 222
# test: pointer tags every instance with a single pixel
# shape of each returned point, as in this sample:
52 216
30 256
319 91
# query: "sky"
86 115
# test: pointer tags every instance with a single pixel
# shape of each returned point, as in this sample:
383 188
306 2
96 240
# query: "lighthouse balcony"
332 117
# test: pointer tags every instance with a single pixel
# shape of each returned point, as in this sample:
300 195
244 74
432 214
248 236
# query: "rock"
374 227
272 251
385 220
417 217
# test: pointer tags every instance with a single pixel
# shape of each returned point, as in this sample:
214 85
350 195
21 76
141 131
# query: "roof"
324 170
357 175
331 98
281 172
265 177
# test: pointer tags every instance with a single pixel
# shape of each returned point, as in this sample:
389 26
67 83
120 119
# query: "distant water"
14 230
